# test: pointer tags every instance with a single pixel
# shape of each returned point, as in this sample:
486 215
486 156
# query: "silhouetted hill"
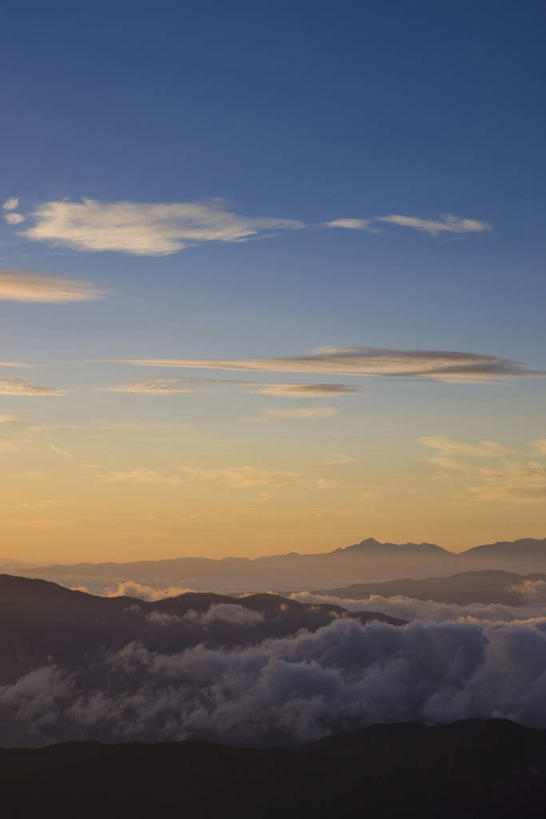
485 586
367 561
471 769
49 623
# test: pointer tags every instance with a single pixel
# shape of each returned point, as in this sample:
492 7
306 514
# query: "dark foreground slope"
468 769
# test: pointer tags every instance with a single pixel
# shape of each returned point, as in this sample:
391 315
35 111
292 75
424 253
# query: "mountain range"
366 561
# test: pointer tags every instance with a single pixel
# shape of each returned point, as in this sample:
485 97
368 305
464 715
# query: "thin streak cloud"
173 384
306 390
18 386
434 227
299 414
447 224
148 388
483 449
16 285
439 365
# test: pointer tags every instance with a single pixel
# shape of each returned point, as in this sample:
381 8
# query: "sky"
271 276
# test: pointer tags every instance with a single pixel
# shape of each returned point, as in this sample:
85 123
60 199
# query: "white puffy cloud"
144 229
14 218
11 204
18 285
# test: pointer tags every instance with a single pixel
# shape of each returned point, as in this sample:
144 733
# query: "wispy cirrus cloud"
482 449
446 224
509 480
239 477
19 386
438 365
149 388
165 385
306 390
141 475
351 224
298 413
514 481
157 229
144 229
340 459
20 285
539 446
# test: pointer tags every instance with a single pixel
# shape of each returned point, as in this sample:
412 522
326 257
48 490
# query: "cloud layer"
157 229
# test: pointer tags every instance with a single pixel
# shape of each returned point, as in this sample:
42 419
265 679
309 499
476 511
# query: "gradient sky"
199 196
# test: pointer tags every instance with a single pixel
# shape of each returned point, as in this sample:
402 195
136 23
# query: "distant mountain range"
472 769
367 561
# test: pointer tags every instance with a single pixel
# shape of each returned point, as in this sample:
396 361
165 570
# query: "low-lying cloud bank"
293 689
128 588
533 593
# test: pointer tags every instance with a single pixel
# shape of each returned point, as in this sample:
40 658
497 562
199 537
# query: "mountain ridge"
366 561
366 544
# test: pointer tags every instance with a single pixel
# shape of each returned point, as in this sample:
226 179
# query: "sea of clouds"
293 689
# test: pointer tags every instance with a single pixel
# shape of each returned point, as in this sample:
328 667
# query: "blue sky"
302 114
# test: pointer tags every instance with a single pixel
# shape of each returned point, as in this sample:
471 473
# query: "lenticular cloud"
341 677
